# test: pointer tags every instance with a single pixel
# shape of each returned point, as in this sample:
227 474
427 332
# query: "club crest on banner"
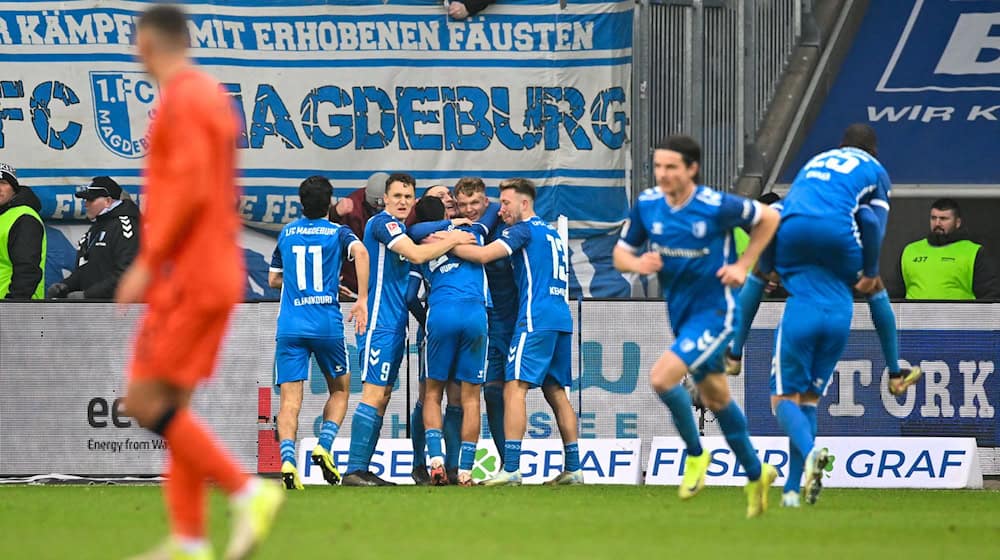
123 107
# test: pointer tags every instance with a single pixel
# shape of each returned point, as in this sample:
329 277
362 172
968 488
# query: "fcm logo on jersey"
123 105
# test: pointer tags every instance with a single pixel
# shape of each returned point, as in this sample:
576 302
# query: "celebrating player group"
496 322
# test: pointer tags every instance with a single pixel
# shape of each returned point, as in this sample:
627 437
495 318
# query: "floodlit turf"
622 523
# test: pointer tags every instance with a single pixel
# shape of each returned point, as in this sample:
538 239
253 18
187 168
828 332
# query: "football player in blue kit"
832 224
688 229
310 252
456 346
383 343
541 347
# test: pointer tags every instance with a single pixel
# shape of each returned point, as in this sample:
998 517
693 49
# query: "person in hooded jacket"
108 247
22 239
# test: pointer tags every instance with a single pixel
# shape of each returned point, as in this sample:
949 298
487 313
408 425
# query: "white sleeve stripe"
506 246
394 241
879 202
624 245
758 213
416 274
272 269
350 254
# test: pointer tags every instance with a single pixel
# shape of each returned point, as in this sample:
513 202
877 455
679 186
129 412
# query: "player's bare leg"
470 395
566 421
434 394
290 403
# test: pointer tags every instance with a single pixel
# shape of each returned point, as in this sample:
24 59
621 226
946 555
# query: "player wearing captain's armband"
688 231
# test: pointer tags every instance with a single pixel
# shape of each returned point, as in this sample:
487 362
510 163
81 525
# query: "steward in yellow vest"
947 265
22 240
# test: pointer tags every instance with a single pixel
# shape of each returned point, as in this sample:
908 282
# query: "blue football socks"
679 402
734 426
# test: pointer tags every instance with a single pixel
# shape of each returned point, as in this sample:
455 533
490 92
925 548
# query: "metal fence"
709 68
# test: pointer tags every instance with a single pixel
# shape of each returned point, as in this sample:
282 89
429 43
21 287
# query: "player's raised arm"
482 254
419 254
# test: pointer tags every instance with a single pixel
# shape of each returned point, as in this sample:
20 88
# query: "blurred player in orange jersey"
190 272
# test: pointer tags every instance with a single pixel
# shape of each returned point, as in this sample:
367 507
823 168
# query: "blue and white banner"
342 89
926 75
603 461
855 462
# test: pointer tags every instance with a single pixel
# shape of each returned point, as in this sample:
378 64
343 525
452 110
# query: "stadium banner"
603 461
343 89
957 346
855 462
62 383
924 74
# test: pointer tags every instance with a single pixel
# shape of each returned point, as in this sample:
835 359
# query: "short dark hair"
769 198
687 147
947 204
315 193
469 186
404 178
861 136
169 21
520 186
429 209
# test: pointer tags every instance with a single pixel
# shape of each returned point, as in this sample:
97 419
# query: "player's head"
429 209
316 194
769 198
375 189
861 136
400 189
946 216
677 163
470 196
8 183
442 192
517 200
162 35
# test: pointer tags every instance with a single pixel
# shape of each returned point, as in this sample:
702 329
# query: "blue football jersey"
835 183
309 255
694 240
503 289
388 273
452 279
541 273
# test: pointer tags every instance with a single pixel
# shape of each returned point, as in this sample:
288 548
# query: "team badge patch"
123 106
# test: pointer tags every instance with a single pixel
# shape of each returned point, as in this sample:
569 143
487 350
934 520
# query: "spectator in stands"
354 211
22 239
947 264
461 9
108 247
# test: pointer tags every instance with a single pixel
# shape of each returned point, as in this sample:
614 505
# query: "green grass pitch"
621 523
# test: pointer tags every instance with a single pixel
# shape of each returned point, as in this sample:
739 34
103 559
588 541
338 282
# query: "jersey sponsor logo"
123 107
682 253
393 228
698 229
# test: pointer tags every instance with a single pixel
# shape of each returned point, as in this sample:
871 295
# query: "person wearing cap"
22 239
108 247
354 211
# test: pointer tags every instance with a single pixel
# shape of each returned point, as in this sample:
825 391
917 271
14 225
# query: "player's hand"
359 314
133 284
649 263
732 275
459 237
457 10
867 285
346 292
461 222
344 207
